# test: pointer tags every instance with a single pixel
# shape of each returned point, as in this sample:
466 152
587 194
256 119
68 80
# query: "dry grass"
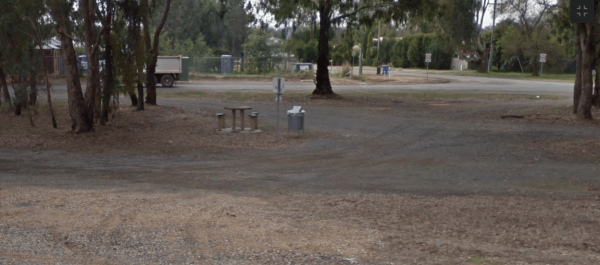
554 113
157 128
356 97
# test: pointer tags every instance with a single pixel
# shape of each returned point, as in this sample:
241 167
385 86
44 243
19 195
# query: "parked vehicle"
168 69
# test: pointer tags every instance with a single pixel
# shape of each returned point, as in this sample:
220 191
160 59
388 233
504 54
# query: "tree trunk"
578 66
108 65
323 83
20 93
80 121
93 77
140 89
19 101
483 65
32 89
4 87
134 99
588 48
596 95
152 50
536 66
32 82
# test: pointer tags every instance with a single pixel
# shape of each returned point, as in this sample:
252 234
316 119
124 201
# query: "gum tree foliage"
21 23
531 27
528 48
410 52
461 27
338 12
222 26
259 49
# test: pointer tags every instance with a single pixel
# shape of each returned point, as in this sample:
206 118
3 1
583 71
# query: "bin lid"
296 109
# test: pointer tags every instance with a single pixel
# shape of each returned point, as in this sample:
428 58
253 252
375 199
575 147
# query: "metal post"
542 70
427 70
278 95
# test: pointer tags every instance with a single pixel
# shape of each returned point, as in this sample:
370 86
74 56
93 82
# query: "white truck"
168 69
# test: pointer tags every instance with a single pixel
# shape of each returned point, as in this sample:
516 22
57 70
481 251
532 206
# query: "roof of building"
51 44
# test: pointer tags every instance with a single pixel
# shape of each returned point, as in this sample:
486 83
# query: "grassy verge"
285 74
236 96
514 75
354 77
353 97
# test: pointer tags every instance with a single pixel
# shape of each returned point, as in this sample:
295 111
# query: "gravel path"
431 182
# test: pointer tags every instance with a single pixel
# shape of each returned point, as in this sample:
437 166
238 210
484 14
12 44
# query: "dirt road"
378 179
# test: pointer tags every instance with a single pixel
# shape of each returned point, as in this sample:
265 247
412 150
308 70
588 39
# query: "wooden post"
220 121
253 121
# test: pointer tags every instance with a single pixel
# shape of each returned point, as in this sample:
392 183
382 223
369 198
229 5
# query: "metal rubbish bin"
296 119
386 69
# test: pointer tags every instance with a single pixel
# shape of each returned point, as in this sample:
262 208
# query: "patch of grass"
482 260
437 95
515 75
188 94
268 75
237 96
557 186
561 110
351 96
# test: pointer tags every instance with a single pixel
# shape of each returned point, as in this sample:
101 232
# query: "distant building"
459 64
54 64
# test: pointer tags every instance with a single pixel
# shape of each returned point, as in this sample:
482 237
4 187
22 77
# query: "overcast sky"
487 20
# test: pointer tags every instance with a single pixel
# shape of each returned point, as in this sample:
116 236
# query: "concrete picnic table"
241 109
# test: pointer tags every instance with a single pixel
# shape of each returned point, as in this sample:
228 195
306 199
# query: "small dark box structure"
582 11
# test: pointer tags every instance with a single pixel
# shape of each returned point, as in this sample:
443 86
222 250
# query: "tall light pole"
492 41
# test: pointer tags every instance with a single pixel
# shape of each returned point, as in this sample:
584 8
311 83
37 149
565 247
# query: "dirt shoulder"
378 178
364 79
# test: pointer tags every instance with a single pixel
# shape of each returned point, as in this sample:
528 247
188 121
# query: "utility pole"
492 41
378 38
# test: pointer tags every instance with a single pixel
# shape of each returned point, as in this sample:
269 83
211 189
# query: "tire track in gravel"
76 249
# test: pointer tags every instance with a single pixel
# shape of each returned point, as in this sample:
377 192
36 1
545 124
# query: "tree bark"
108 65
323 84
483 65
134 99
140 89
18 99
32 82
91 99
152 50
80 121
536 66
578 63
596 95
4 87
588 48
32 89
20 93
